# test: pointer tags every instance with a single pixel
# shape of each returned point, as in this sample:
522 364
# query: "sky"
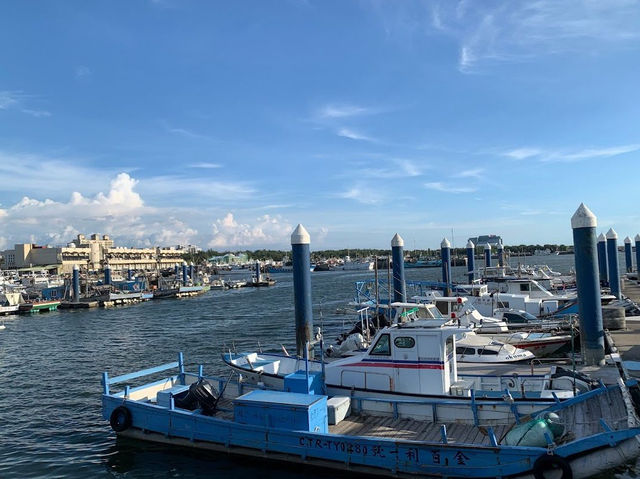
225 124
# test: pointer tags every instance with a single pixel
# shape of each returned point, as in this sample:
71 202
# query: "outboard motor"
201 394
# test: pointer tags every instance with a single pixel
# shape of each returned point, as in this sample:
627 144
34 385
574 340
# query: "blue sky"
225 124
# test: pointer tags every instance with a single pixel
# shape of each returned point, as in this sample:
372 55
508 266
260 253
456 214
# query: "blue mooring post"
76 283
612 260
627 255
471 260
300 241
584 223
500 254
175 270
637 238
192 272
258 275
445 254
487 255
184 273
129 274
107 273
397 257
602 259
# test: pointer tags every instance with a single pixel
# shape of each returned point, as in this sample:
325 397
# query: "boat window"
488 352
524 287
465 351
382 347
448 348
514 318
404 342
443 306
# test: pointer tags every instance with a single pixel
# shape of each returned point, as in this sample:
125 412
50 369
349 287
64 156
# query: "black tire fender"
549 462
120 419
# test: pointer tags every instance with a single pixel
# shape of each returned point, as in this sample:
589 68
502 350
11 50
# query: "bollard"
500 254
184 273
471 260
602 260
397 257
175 270
627 255
637 238
76 283
107 273
445 254
584 223
258 275
487 255
129 274
612 260
302 289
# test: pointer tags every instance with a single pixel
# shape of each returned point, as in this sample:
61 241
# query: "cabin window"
443 307
404 342
382 347
514 318
465 351
524 287
488 352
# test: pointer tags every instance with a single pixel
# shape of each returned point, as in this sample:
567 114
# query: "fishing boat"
38 306
580 437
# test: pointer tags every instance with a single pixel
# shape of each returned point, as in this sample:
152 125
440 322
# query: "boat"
217 284
304 425
38 306
359 265
473 348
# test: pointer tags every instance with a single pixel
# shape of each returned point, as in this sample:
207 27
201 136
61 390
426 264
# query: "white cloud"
477 173
265 230
438 186
566 155
353 135
362 194
16 100
205 165
82 71
342 111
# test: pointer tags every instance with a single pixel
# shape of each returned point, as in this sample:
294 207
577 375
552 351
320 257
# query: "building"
230 259
92 253
482 240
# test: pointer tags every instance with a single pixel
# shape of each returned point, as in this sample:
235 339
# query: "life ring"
548 462
120 419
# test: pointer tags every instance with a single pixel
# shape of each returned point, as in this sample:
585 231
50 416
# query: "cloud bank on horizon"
358 120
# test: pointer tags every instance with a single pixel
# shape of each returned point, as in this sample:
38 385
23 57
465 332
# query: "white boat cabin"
414 357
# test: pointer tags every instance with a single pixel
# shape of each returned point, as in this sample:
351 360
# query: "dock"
628 340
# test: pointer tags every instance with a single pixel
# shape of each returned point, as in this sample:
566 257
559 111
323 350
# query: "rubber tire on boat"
548 462
120 419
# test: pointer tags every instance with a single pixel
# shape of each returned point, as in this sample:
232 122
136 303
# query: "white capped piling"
300 255
76 283
445 254
107 273
397 257
637 238
258 275
184 273
192 272
602 259
612 260
487 255
175 270
471 260
628 261
500 254
584 223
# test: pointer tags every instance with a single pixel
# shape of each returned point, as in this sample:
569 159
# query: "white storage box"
338 407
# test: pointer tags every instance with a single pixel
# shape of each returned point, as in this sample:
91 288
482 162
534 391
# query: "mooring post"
76 283
471 260
500 254
300 241
107 273
175 270
258 275
397 257
487 255
602 259
627 255
637 238
445 254
584 223
612 259
184 273
129 274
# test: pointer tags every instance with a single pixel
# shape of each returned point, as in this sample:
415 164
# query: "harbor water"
51 365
